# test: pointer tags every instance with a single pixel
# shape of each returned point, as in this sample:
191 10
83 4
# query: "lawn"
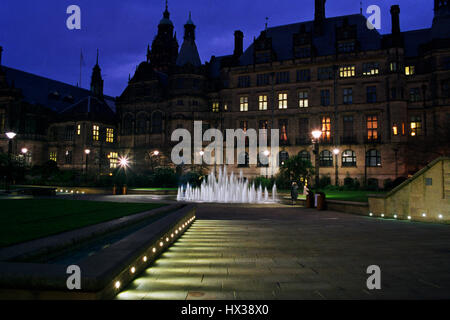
28 219
358 196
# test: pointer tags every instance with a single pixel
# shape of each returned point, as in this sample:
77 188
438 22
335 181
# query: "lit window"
283 124
113 159
371 69
78 129
262 102
225 107
95 133
349 158
243 104
53 155
215 107
372 128
373 158
282 101
416 126
347 71
395 129
110 135
326 128
410 70
393 66
303 99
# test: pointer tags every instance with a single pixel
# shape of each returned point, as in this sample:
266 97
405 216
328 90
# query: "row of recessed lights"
424 215
162 243
71 191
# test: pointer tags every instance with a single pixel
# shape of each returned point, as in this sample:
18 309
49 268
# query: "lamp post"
266 153
316 136
336 152
10 135
24 153
87 152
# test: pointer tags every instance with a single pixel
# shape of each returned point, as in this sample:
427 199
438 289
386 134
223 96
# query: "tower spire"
97 58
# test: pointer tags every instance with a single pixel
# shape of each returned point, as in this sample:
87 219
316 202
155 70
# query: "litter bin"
321 203
310 200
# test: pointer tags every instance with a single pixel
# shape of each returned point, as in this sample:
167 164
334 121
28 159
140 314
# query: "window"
244 81
372 128
95 132
302 52
325 97
68 157
263 124
416 126
414 94
304 155
347 71
325 73
346 47
78 129
142 124
180 102
371 93
395 129
113 159
303 75
225 107
303 124
282 101
262 102
53 156
349 158
373 158
283 156
326 128
393 93
283 125
195 102
348 96
157 122
215 106
410 70
263 160
283 77
348 129
371 68
127 124
244 125
110 135
393 66
243 103
68 133
326 159
303 99
263 79
446 88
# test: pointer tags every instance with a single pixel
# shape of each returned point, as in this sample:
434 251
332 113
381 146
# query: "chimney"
395 14
1 50
238 43
319 16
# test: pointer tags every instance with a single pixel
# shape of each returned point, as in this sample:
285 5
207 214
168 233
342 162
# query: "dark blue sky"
35 38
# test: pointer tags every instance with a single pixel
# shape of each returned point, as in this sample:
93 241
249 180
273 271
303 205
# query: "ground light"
133 270
440 216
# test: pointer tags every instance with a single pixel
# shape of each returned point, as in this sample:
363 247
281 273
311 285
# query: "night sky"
35 38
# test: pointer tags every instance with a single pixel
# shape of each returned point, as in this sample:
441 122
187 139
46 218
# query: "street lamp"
124 162
87 152
336 152
316 136
10 135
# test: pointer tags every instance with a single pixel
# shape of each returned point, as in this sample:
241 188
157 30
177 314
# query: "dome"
166 21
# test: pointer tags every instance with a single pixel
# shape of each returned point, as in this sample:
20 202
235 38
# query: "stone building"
383 101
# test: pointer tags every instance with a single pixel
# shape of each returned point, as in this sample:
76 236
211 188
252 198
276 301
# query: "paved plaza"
237 252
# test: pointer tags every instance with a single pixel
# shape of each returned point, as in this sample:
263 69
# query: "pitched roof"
89 108
49 93
189 54
282 37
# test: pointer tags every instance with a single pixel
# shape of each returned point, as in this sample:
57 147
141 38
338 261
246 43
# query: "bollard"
114 192
321 204
310 200
124 189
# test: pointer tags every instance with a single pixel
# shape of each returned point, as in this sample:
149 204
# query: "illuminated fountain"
227 189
